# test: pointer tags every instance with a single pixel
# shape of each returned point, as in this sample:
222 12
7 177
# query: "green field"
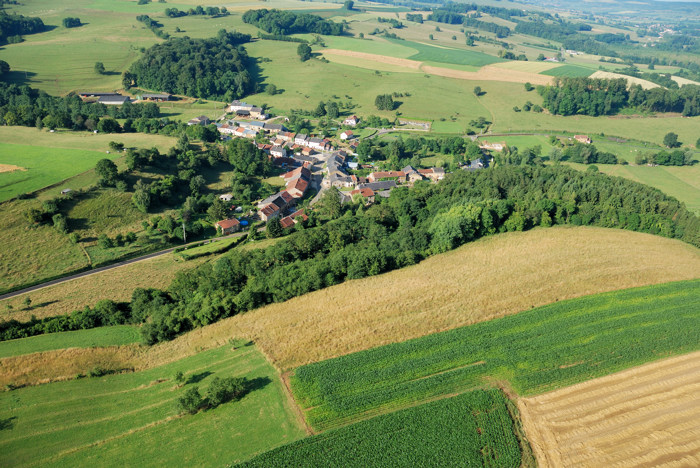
130 419
568 70
96 337
44 166
429 53
213 247
473 429
535 351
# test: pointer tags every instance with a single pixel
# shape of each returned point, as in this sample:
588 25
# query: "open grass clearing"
572 71
130 419
534 351
615 416
532 67
96 337
443 54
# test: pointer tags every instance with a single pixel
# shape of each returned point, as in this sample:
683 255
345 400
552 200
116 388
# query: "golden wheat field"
486 279
642 417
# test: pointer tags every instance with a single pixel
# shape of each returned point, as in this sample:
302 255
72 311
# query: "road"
105 268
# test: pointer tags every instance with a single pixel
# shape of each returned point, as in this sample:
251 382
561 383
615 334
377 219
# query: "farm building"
155 97
585 139
113 100
201 120
347 135
228 226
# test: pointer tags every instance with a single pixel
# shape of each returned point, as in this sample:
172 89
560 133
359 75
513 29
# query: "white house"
347 135
351 121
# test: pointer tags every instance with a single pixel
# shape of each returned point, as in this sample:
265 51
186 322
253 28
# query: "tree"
116 146
141 199
671 140
478 91
104 242
697 144
541 57
304 52
4 67
27 302
190 401
271 89
430 36
100 68
529 87
217 211
179 378
71 22
330 205
273 228
348 5
223 390
384 102
107 171
60 223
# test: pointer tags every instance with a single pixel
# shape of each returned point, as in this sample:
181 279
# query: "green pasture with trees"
535 351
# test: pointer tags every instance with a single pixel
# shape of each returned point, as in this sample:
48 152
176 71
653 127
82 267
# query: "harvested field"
486 73
10 168
642 417
684 81
630 79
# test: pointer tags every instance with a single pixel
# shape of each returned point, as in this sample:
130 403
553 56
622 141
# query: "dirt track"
642 417
10 168
487 73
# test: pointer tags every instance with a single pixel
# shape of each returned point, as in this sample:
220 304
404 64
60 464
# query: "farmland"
473 429
615 416
97 337
131 419
535 351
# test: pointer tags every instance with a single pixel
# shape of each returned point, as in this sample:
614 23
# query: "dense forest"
280 22
213 68
351 242
595 97
22 105
13 26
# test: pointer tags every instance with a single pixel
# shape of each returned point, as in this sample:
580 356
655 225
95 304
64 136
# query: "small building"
377 187
351 121
275 128
366 193
585 139
239 105
228 226
316 143
434 173
347 135
201 120
258 113
398 176
301 139
113 100
286 136
155 97
278 152
226 197
66 191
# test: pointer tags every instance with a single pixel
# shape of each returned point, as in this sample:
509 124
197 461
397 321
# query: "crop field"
429 53
642 417
473 429
130 419
535 351
526 266
630 79
568 70
96 337
44 166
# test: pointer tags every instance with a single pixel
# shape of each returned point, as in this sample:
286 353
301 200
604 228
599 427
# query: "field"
534 351
473 429
630 79
130 419
96 337
642 417
568 70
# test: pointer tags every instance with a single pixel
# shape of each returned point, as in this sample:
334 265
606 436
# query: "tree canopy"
288 22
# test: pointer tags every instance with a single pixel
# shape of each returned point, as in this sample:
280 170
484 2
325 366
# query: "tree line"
198 11
280 22
14 26
215 68
351 241
596 96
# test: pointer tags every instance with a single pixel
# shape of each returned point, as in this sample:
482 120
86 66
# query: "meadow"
474 429
131 418
535 351
97 337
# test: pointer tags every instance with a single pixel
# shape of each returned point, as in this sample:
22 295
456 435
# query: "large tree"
304 52
107 171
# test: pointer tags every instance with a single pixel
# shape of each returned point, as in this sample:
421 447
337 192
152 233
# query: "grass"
569 71
536 351
44 166
429 53
214 247
473 429
130 419
96 337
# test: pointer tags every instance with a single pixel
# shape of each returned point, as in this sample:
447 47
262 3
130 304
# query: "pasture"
96 337
569 71
535 351
613 416
131 419
473 429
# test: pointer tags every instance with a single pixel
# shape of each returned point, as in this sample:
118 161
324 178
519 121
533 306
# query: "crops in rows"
474 429
536 351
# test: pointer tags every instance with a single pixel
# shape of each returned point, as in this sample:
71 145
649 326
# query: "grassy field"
430 53
473 429
568 70
130 419
214 247
535 351
97 337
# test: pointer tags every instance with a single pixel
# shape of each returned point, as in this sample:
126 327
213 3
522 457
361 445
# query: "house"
292 219
155 97
351 121
257 113
302 159
347 135
286 136
434 173
257 126
269 212
239 105
300 172
500 146
113 99
412 175
306 151
226 129
585 139
367 194
301 139
316 143
275 128
201 120
242 113
379 186
226 197
228 226
278 152
399 176
297 188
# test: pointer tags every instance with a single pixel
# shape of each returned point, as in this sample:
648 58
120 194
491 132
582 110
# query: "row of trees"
198 11
15 26
214 68
288 22
595 97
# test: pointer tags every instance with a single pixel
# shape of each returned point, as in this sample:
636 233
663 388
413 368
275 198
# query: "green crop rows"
473 429
536 351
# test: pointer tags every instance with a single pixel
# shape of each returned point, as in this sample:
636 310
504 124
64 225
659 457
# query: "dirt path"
642 417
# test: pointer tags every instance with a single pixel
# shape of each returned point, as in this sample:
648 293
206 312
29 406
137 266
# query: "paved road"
104 268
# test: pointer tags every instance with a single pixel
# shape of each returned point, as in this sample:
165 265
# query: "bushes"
220 391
